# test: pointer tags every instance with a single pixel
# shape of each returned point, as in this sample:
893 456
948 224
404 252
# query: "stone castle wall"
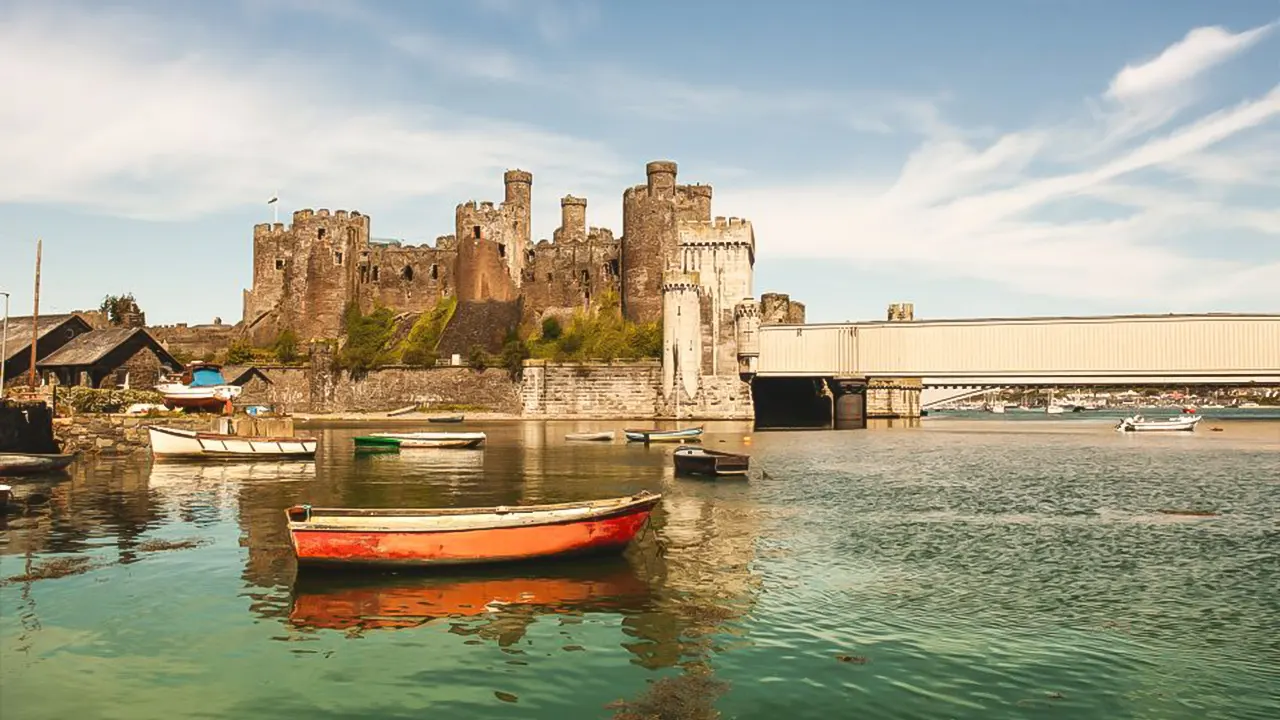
195 341
597 390
308 390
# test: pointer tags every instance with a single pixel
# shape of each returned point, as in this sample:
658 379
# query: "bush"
419 348
367 336
478 359
286 346
514 354
104 400
599 334
550 328
239 353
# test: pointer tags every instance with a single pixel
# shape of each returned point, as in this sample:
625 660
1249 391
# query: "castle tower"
746 315
493 242
681 338
573 220
650 240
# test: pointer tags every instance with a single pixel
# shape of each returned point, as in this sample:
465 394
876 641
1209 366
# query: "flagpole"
275 209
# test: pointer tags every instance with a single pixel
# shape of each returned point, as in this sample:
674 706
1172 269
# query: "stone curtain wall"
591 389
625 390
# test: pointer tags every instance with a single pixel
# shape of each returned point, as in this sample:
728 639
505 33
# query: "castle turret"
573 220
746 315
681 336
649 241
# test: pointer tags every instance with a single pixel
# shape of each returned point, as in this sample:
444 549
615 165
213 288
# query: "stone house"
52 333
115 357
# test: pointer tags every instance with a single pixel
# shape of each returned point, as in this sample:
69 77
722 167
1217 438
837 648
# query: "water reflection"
351 601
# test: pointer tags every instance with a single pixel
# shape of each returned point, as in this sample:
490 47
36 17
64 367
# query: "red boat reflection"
401 601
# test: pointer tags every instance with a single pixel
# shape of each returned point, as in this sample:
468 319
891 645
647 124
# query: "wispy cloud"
1110 224
142 130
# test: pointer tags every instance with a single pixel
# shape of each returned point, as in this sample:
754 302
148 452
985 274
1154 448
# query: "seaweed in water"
54 568
690 696
160 545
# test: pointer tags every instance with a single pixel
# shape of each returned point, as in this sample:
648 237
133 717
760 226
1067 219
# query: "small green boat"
375 443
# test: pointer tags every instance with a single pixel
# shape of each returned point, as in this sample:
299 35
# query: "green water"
963 568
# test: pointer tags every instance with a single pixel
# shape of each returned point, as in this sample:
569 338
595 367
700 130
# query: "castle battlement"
680 281
748 308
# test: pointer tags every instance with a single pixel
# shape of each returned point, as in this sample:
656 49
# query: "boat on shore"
464 536
655 435
701 461
413 440
447 419
1137 423
201 387
168 442
14 464
605 436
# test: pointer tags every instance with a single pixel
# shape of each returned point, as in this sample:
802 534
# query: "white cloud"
140 130
993 213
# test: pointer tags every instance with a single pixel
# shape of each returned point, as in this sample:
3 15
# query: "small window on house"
502 250
279 263
337 257
407 273
320 233
435 272
475 231
375 273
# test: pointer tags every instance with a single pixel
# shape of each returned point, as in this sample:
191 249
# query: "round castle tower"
746 317
650 241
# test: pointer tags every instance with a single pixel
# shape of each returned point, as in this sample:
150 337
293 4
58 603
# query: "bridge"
895 358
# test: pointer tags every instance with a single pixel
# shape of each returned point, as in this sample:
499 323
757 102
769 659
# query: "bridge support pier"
849 405
894 397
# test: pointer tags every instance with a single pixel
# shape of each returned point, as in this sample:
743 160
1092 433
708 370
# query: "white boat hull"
1138 424
606 436
212 396
413 440
177 443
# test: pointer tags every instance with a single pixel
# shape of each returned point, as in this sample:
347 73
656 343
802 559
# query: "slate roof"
89 348
18 337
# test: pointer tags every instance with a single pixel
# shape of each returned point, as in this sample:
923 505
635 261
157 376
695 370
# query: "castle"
674 262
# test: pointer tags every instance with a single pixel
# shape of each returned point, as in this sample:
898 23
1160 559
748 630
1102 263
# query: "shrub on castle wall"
598 334
419 347
366 339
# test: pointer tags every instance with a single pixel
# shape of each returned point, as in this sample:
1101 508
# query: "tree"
286 346
550 328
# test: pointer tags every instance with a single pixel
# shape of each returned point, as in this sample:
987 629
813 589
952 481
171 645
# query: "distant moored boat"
655 435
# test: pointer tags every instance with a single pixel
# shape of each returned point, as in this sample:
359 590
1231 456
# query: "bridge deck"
1217 347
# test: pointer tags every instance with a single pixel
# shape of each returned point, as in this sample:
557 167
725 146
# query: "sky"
995 158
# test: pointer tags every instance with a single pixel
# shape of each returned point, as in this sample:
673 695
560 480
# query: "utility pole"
35 319
4 342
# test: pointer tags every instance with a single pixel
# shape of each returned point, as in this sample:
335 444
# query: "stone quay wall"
117 434
323 390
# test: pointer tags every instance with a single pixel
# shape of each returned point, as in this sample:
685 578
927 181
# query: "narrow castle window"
320 233
375 273
613 268
364 274
407 273
435 272
586 277
502 250
548 277
475 230
279 263
337 257
530 256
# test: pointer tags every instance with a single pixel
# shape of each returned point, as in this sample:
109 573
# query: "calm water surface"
963 568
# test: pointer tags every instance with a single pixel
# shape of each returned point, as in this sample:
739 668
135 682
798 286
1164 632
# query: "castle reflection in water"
685 580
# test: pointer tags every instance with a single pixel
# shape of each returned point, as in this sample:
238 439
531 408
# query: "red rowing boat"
464 536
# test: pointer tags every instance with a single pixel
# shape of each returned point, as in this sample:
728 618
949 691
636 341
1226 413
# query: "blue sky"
1000 157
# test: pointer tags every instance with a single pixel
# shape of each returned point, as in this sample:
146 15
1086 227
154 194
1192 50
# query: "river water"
964 568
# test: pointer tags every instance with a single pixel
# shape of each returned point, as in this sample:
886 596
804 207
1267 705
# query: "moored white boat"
411 440
605 436
201 387
1137 423
169 442
656 435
